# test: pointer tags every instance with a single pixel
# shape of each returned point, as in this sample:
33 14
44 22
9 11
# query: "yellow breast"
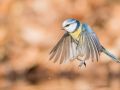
76 34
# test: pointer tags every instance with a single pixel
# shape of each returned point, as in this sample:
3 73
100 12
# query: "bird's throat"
76 33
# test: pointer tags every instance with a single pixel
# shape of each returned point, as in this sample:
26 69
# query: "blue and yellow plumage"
79 42
76 34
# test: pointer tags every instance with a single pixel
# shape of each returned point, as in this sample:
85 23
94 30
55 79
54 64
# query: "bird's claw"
82 63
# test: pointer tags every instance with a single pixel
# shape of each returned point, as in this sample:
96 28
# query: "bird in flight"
79 42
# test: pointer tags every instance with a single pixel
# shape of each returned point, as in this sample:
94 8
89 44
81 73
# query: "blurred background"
30 28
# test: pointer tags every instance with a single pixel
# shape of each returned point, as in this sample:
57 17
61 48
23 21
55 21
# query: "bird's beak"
62 28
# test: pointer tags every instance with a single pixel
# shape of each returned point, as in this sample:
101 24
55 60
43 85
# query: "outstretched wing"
91 47
64 50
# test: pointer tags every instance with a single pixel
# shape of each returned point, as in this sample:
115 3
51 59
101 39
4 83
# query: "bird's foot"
82 62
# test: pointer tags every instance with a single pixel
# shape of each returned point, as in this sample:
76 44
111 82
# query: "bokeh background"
30 28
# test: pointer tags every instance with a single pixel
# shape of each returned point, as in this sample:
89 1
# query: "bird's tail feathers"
110 55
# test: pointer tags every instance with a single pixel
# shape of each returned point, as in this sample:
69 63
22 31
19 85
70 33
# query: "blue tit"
78 42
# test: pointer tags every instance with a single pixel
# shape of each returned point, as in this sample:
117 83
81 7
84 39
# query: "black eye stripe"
67 25
70 24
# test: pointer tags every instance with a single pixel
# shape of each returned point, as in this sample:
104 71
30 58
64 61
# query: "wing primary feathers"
67 48
95 47
53 54
58 53
54 49
57 47
82 44
97 42
98 45
79 45
63 54
64 49
91 46
72 48
87 49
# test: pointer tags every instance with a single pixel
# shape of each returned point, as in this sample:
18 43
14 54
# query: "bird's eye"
67 25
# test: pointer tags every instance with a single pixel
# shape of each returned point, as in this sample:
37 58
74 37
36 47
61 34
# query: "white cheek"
71 28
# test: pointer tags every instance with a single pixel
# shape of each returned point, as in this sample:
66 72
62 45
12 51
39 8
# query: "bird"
79 42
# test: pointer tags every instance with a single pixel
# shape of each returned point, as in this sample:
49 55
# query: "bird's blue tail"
114 58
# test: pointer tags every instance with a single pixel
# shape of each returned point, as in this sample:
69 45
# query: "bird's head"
70 25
